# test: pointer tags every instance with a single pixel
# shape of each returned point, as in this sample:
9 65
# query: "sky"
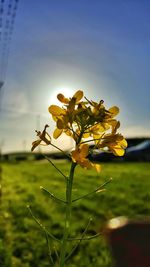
101 47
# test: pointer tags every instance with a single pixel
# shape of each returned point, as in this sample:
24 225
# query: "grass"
23 244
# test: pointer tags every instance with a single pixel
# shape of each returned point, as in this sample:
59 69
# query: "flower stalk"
68 215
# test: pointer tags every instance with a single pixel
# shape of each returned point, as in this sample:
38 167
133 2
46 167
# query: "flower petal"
115 125
62 98
84 150
68 132
75 155
86 163
56 110
78 95
60 124
123 143
114 111
117 151
86 135
35 144
57 133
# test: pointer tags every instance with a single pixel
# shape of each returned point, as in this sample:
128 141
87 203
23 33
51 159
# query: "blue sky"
102 47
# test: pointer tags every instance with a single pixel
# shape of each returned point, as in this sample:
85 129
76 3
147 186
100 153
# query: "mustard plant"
84 121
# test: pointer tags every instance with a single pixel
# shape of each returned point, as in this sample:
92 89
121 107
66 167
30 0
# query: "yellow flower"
44 136
115 143
60 116
83 119
95 131
101 117
79 155
58 112
77 97
64 117
113 111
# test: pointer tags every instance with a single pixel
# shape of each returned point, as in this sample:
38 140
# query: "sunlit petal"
114 110
85 163
86 135
56 110
57 133
124 143
118 151
62 98
84 151
78 95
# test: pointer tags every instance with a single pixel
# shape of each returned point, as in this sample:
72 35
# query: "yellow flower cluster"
83 120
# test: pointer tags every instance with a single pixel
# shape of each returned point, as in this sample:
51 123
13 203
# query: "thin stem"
55 167
58 200
49 249
56 253
84 238
88 100
75 247
68 215
90 140
74 131
42 227
60 150
94 191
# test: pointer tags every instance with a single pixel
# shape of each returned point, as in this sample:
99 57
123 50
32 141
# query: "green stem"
54 166
68 215
99 189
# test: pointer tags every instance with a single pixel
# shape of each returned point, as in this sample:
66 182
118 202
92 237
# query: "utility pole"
24 144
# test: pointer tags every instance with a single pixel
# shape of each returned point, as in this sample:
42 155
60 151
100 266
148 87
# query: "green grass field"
23 244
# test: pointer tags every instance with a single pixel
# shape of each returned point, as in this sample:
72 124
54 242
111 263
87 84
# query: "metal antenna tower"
8 9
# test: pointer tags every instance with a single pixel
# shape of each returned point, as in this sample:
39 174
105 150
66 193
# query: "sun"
67 92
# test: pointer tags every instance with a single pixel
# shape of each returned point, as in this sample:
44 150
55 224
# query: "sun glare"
67 92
